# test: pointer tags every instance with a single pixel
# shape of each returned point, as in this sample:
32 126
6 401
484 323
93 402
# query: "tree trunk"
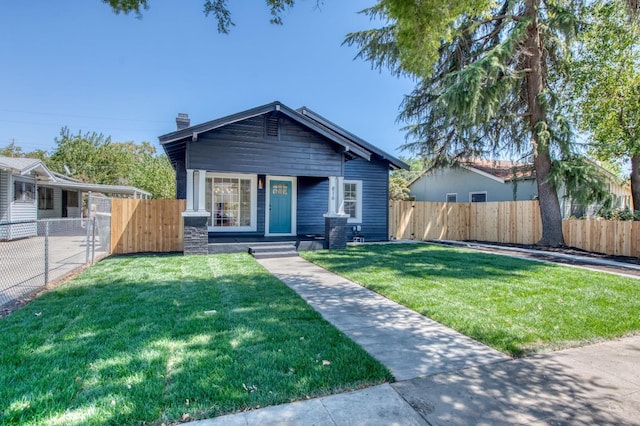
635 181
535 85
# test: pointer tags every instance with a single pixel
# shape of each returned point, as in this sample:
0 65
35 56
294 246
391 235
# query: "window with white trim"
45 198
452 197
478 197
232 202
353 200
23 192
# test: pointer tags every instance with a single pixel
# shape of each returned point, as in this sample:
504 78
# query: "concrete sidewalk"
447 378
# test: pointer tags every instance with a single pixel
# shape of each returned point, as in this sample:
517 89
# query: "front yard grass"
153 339
514 305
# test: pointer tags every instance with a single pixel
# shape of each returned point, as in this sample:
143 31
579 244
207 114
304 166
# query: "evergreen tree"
488 82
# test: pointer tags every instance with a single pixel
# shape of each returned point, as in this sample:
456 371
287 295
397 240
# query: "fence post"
89 218
46 252
93 241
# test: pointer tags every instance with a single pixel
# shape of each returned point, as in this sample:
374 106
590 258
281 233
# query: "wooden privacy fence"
515 222
139 226
619 238
503 222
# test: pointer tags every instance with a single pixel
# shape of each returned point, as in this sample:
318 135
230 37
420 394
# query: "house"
67 197
19 179
30 191
476 181
274 171
489 180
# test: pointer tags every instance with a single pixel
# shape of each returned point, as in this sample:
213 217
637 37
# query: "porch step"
270 250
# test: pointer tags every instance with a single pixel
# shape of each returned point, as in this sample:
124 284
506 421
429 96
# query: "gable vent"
273 126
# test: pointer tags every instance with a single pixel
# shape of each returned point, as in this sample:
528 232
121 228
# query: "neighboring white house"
19 179
30 191
487 180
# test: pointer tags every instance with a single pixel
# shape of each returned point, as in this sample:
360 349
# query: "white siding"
73 212
4 203
22 211
4 196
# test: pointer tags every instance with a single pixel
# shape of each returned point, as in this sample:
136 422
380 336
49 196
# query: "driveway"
22 269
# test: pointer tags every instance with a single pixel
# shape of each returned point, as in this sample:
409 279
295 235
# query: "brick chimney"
182 121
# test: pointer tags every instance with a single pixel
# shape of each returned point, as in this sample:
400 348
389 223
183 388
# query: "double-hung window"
478 197
23 192
45 198
353 200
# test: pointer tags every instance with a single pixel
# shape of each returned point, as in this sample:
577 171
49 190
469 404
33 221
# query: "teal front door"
279 207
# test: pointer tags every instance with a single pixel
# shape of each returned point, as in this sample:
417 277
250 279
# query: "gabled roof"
175 141
393 161
26 166
499 170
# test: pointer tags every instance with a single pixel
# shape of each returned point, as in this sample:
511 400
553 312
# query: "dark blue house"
275 171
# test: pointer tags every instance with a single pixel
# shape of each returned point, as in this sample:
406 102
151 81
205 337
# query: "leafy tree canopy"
605 73
93 157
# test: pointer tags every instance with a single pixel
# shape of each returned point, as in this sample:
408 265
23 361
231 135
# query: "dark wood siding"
244 147
181 180
375 205
262 194
312 205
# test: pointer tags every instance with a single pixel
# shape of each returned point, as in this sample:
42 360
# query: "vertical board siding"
375 195
516 222
139 226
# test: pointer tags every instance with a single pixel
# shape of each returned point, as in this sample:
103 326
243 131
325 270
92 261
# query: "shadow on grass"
124 344
424 260
514 305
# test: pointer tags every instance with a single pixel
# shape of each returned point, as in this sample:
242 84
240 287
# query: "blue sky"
75 63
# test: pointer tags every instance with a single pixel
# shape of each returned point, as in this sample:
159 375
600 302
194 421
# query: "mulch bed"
572 251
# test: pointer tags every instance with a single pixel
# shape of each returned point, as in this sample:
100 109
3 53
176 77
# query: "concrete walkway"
409 344
447 378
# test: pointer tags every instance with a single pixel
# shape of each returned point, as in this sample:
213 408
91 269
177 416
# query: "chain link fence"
36 253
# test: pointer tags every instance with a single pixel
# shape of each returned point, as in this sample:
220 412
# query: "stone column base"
335 231
196 234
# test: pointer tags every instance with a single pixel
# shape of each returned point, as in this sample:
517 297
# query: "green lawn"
514 305
129 342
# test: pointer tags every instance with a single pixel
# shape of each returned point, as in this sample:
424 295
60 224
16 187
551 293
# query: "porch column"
335 220
332 195
202 174
196 235
189 190
340 194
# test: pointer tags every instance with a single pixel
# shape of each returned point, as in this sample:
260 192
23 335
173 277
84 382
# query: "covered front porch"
241 210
